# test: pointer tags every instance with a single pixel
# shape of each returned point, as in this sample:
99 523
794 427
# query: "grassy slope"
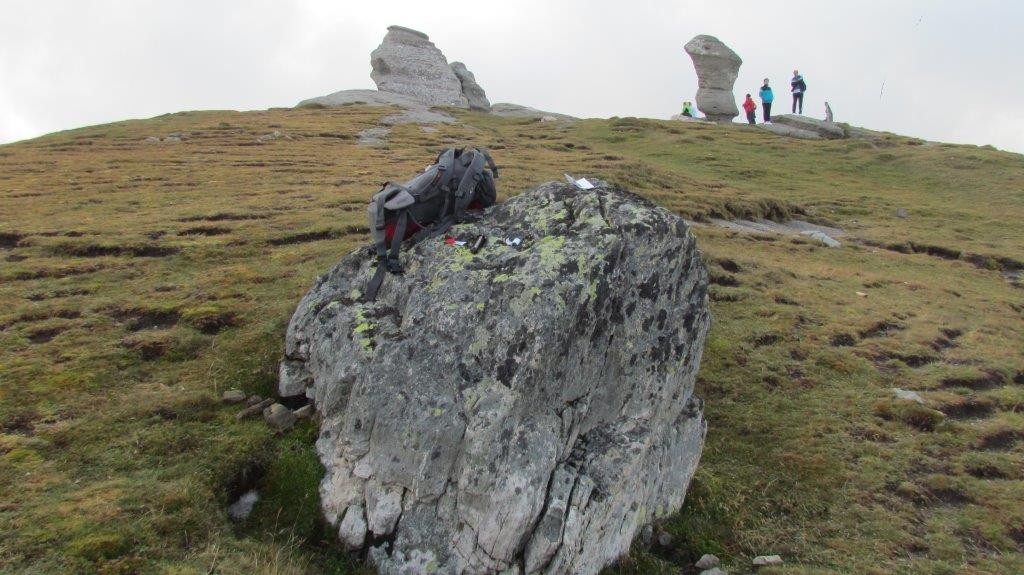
139 280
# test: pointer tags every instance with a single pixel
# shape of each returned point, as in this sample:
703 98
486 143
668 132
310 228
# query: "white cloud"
948 66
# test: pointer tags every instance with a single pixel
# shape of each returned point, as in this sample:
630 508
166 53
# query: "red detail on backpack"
412 227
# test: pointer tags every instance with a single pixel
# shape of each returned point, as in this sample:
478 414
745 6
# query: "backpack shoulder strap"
490 161
467 185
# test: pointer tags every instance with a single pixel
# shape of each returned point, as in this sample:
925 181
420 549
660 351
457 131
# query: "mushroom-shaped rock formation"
407 62
528 407
717 68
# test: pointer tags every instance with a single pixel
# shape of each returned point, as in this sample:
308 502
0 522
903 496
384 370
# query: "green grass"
138 281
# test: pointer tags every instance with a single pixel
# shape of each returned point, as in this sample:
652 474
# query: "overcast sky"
946 70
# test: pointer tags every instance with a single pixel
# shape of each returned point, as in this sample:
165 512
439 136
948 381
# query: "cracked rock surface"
525 409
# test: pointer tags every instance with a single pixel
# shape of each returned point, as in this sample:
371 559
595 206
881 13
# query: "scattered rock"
506 110
717 68
171 139
790 228
304 412
233 396
253 400
789 131
824 129
408 63
665 539
767 560
275 135
279 417
908 395
474 94
683 118
707 561
373 136
902 213
548 119
713 571
254 409
152 140
822 237
241 509
647 535
542 430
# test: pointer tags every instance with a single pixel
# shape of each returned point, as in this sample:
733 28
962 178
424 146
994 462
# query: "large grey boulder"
717 68
408 63
527 408
474 94
824 129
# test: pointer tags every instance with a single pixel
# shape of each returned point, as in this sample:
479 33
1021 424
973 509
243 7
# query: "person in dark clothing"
798 87
749 106
766 101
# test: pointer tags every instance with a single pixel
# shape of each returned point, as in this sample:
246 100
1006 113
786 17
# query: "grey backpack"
461 179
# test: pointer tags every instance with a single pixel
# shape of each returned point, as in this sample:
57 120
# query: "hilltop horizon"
907 77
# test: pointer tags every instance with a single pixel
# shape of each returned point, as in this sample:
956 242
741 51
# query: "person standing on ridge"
798 87
688 109
749 106
766 102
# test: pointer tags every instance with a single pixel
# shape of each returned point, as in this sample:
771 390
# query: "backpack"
460 179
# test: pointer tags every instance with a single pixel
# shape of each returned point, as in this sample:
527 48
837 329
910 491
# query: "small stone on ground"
713 571
767 560
279 417
907 394
233 396
707 561
304 412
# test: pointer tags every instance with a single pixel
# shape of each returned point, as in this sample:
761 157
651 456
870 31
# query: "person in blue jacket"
766 101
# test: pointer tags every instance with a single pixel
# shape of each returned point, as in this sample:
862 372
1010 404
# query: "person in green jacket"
766 101
688 109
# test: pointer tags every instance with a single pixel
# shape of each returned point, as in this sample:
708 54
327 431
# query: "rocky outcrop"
526 408
508 110
408 63
474 94
717 68
824 129
412 112
789 131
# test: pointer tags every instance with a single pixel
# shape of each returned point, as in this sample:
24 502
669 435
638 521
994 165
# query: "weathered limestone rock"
474 94
524 408
407 62
822 128
717 68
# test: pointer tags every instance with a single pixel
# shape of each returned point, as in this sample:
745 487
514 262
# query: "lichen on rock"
526 409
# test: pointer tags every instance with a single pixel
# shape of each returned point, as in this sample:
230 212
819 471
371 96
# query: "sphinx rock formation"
525 409
717 68
408 63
